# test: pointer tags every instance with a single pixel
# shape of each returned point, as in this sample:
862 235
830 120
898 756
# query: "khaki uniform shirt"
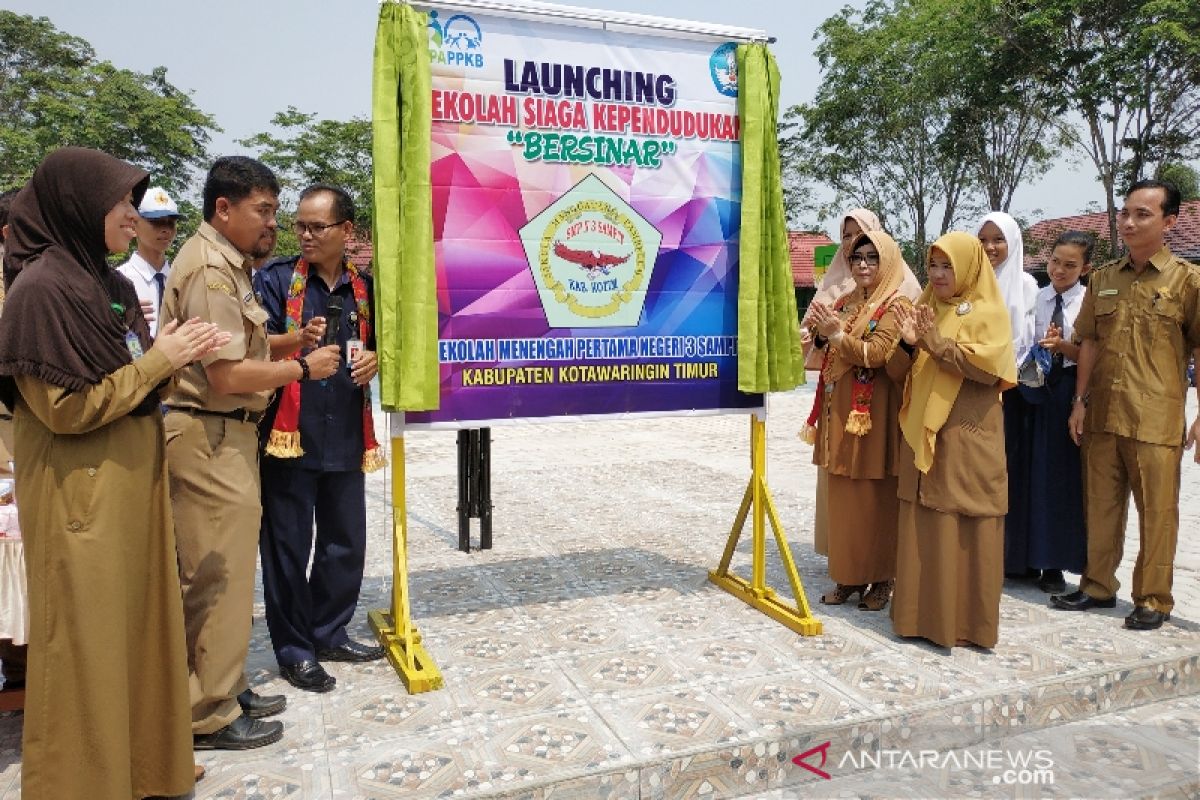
210 279
1145 326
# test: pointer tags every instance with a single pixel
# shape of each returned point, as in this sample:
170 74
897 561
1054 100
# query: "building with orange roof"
1183 239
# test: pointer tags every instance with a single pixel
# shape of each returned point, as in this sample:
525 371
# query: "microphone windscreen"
333 320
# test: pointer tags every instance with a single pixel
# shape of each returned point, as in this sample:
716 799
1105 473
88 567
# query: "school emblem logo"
591 256
457 42
722 65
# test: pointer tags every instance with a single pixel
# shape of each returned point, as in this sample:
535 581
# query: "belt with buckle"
238 414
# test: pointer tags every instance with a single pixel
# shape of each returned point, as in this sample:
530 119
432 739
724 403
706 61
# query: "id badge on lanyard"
134 344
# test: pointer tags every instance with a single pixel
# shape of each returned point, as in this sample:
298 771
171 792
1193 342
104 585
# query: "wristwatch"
1081 398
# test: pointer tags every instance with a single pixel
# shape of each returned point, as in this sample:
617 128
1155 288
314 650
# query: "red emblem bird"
588 259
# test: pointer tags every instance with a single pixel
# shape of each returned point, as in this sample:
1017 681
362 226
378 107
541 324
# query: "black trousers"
309 611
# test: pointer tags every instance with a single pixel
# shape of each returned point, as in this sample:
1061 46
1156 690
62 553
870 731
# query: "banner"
586 206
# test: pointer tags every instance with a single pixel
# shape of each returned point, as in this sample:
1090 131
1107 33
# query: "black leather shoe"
241 734
309 676
1145 618
257 706
351 651
1080 601
1052 582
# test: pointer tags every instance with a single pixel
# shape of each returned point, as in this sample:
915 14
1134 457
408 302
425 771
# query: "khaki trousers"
213 465
1114 466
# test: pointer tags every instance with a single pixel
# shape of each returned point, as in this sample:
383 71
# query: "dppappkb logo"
457 42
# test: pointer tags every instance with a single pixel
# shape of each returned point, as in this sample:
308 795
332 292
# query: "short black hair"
6 199
1171 195
235 178
343 203
1080 239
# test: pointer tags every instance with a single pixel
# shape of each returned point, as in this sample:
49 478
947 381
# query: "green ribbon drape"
405 282
770 357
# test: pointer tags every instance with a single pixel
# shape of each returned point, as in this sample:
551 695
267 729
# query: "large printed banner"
586 197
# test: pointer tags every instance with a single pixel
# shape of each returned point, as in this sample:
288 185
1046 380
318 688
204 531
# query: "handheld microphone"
333 320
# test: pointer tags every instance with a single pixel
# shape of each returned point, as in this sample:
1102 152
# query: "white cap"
157 204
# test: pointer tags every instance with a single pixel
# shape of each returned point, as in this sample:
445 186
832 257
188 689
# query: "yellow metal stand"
755 592
394 629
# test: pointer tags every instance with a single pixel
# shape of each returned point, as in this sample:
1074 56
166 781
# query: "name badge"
354 348
1107 292
134 344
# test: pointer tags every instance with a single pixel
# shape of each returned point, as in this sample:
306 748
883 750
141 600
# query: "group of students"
137 459
952 429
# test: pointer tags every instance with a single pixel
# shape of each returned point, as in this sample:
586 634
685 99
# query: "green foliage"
319 151
1184 176
1129 70
884 130
53 92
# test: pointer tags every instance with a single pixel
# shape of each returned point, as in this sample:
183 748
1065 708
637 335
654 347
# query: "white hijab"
1017 286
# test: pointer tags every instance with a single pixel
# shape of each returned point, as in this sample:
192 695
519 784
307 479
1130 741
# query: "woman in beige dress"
956 348
107 714
836 282
857 433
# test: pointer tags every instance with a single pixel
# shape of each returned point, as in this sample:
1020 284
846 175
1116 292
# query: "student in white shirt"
158 217
1057 537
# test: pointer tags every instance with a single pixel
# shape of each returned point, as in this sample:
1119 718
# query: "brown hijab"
67 313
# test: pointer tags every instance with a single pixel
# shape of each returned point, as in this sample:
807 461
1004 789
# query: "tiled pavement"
587 656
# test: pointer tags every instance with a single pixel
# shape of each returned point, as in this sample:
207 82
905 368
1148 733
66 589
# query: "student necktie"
159 281
1056 319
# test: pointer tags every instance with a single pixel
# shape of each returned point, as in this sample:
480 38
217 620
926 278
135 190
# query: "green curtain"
770 358
405 282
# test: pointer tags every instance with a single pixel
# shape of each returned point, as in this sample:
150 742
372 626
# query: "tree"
53 92
1128 68
884 130
320 151
1184 176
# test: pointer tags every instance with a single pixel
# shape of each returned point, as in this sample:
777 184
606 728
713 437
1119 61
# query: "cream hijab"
838 280
1018 287
892 272
977 319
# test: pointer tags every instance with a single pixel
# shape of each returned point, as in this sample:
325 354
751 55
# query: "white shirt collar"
144 268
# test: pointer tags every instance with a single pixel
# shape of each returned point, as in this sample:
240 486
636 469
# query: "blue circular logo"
722 65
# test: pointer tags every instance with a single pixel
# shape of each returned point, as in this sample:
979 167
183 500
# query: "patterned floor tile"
625 673
510 692
784 703
672 721
263 774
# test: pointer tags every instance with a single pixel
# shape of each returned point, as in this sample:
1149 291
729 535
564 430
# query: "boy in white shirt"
149 268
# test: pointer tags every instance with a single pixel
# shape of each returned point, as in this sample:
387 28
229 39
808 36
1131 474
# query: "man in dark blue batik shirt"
318 443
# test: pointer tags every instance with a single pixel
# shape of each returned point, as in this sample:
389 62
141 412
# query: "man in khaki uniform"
212 449
1139 320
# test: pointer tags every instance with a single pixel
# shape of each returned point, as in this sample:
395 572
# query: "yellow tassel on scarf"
373 459
284 444
858 423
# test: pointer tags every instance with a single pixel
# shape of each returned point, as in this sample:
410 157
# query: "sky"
244 60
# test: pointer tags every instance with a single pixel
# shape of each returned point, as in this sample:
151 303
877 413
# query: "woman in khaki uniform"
855 414
107 713
956 347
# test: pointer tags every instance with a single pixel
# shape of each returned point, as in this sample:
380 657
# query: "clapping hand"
825 319
184 343
1053 340
312 333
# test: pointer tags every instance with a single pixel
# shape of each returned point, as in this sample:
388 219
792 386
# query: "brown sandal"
876 599
842 593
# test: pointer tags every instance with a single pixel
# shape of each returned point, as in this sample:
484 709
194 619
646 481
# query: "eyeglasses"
315 228
871 258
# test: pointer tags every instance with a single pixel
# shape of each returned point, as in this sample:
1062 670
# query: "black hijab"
67 312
